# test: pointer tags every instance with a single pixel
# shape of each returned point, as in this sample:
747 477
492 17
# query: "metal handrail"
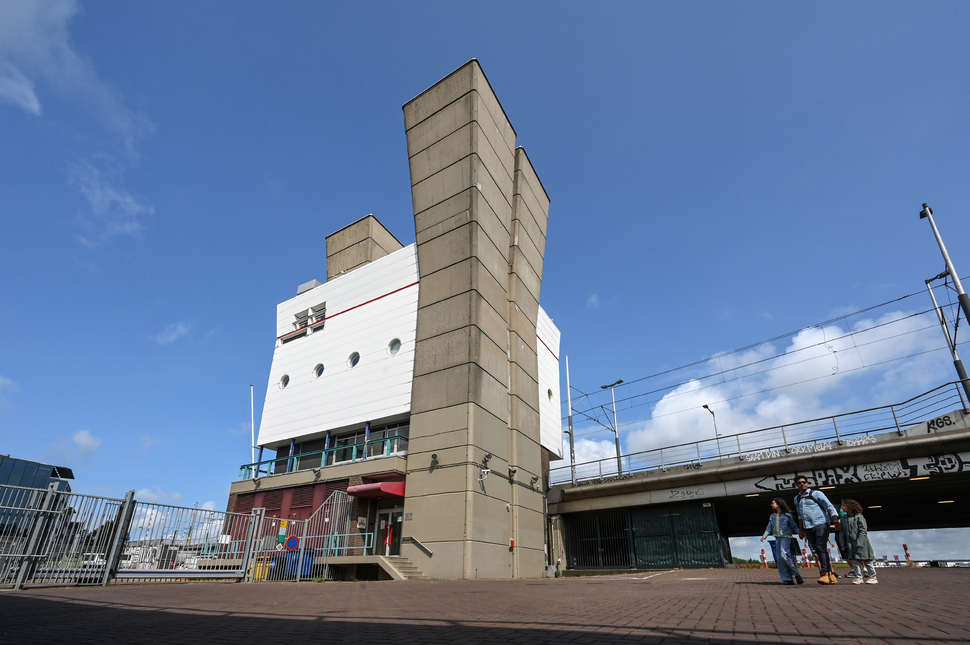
826 430
418 544
246 471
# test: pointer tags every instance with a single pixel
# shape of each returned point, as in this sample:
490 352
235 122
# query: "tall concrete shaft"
480 218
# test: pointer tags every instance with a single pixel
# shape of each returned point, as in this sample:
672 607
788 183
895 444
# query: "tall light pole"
616 428
950 341
927 213
717 437
964 299
572 443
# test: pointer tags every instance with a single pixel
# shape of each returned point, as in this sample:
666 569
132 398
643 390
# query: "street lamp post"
616 428
717 436
962 297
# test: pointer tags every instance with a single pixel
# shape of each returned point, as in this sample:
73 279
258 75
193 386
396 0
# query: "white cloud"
589 450
593 302
7 385
210 506
147 442
243 427
17 89
822 371
156 494
113 210
37 55
172 333
35 46
86 443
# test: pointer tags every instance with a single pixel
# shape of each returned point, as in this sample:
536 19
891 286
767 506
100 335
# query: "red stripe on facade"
547 347
389 293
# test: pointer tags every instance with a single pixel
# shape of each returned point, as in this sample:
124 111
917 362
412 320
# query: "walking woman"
854 539
782 527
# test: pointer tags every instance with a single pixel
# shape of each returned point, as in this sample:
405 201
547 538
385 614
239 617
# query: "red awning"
379 489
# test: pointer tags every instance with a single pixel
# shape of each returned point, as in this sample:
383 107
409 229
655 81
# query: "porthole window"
549 394
353 360
394 346
284 381
318 370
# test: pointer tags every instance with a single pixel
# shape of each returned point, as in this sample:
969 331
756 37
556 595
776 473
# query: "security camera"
434 457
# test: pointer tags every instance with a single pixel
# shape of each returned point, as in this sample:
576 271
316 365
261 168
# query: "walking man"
815 514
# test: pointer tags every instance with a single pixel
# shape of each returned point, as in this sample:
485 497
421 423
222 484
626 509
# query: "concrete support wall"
357 244
480 219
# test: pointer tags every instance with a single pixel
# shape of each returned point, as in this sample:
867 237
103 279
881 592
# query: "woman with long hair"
782 526
854 539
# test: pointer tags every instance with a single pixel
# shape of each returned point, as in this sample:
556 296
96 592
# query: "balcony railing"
817 435
396 446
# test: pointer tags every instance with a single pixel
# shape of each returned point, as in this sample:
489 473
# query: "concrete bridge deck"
901 474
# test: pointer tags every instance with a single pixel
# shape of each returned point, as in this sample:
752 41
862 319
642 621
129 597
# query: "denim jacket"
815 511
781 525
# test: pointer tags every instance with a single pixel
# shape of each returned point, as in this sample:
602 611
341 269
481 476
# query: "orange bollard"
808 563
764 558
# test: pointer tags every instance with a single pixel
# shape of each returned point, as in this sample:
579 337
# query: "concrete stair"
405 568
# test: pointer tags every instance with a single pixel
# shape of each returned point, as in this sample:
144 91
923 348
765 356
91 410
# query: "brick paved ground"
691 607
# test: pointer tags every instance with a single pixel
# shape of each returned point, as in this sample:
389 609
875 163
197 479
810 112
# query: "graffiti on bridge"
898 469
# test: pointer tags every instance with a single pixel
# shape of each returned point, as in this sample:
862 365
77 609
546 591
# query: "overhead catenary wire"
766 390
780 355
775 357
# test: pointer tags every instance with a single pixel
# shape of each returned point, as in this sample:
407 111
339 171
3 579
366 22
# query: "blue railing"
373 449
339 541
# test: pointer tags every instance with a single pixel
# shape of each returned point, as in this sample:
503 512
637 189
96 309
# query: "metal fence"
55 537
816 435
173 543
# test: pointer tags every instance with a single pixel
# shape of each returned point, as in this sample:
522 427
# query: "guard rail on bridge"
815 435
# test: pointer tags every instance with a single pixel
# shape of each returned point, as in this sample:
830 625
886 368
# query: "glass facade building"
31 474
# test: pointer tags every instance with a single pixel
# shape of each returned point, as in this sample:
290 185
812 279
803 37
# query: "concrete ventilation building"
423 380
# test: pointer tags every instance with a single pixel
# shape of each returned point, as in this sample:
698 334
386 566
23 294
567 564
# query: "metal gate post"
36 530
255 524
299 564
122 522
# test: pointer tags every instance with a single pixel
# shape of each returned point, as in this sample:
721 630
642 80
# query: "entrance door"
387 540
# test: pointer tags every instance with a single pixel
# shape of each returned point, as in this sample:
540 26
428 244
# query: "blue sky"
720 173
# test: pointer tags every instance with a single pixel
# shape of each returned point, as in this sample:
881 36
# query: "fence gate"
49 536
177 543
327 535
274 548
300 549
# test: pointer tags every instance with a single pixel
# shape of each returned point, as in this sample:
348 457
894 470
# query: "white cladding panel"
366 310
550 408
